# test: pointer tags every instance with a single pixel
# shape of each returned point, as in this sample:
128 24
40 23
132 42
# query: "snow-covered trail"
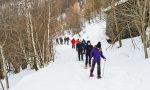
67 73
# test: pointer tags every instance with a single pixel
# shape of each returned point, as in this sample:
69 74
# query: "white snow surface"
125 68
116 4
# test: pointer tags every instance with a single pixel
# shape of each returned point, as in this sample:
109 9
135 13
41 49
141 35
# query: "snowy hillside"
125 68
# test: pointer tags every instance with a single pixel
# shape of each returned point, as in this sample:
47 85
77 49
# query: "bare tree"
4 63
141 22
2 84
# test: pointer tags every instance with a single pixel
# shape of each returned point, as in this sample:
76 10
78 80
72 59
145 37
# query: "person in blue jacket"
96 54
84 45
80 48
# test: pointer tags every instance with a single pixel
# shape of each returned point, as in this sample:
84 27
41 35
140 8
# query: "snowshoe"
99 77
91 75
89 65
85 67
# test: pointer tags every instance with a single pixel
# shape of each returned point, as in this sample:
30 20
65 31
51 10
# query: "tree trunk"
43 48
131 35
33 41
116 25
144 39
48 32
24 65
4 66
2 84
142 12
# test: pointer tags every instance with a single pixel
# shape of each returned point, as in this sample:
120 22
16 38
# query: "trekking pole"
103 69
83 60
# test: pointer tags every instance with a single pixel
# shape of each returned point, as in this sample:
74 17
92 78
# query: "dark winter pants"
80 54
76 47
67 42
61 42
88 60
64 41
98 68
57 42
73 46
83 51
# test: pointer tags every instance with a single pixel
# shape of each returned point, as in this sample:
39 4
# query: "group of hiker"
62 41
91 52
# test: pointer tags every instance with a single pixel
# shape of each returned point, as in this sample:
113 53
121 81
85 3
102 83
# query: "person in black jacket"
79 48
84 45
99 44
88 54
67 40
61 40
57 42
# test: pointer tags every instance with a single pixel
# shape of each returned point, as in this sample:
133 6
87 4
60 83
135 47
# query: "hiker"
67 39
57 42
99 44
61 40
88 49
96 53
76 42
73 43
79 49
84 45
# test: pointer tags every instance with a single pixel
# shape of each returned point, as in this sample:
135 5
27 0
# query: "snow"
117 3
125 68
94 32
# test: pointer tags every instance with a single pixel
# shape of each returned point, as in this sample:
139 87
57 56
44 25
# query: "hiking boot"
91 75
85 67
98 77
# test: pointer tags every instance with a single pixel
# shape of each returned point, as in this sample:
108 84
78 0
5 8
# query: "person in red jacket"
73 42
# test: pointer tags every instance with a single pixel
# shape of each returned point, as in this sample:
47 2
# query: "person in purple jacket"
96 54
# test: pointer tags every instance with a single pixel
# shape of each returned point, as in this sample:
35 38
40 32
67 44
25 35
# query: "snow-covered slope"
125 68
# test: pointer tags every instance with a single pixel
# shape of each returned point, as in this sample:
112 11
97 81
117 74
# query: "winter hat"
88 41
98 45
